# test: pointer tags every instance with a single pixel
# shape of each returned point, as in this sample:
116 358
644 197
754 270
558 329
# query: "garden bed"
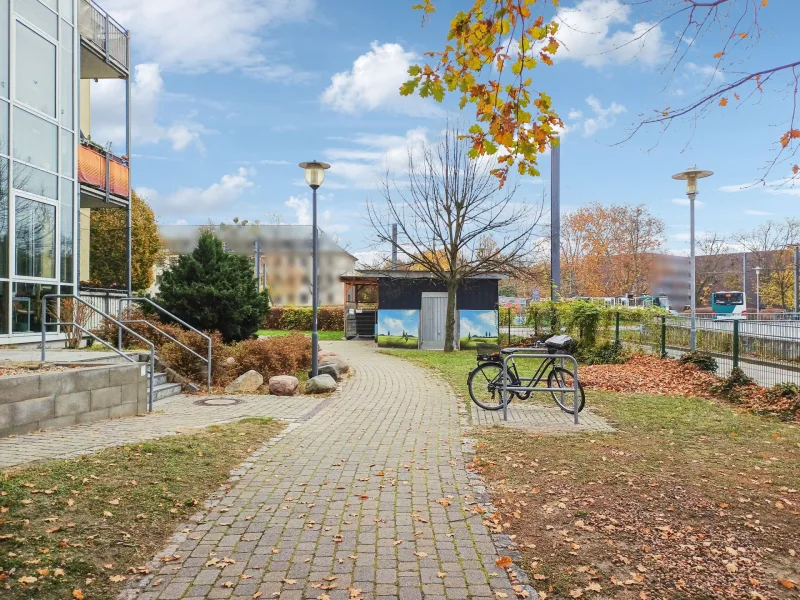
12 368
647 374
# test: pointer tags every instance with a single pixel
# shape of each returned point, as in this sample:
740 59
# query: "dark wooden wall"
406 294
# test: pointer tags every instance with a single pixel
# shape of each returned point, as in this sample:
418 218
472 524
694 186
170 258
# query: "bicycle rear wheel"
485 385
560 377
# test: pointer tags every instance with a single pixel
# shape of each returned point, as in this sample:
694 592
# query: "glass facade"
38 158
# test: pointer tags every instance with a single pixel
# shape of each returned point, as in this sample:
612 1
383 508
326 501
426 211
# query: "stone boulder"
327 370
334 359
246 384
283 385
321 384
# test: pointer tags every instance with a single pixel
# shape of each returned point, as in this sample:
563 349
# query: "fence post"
663 337
616 330
509 326
735 344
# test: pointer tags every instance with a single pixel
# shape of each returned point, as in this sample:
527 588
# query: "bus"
728 305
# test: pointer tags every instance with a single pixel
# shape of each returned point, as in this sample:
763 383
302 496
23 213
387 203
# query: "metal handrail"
168 314
45 323
513 353
165 334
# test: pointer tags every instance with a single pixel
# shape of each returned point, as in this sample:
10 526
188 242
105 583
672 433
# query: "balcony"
104 178
104 44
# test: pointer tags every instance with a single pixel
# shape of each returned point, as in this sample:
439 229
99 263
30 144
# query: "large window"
67 234
35 238
4 48
35 71
35 140
3 127
35 181
26 307
67 76
4 298
35 12
67 153
3 220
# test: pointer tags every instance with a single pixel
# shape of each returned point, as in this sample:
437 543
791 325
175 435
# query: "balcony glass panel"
35 238
67 76
67 234
35 140
36 13
3 217
35 68
34 181
67 153
4 48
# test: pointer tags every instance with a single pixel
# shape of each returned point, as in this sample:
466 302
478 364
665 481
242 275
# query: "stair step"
166 390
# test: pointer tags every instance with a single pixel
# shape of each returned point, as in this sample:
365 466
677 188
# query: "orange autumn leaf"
504 562
723 101
787 583
764 2
719 55
743 35
77 594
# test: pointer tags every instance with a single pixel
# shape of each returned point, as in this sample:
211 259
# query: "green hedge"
299 318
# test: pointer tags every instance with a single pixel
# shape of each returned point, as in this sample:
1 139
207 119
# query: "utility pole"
394 246
555 220
744 277
796 273
258 263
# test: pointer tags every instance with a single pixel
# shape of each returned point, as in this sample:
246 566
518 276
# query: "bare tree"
769 243
453 219
713 265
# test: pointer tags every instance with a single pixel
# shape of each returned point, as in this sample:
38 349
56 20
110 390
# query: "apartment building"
51 174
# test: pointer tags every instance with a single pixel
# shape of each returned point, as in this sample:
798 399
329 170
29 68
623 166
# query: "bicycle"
487 378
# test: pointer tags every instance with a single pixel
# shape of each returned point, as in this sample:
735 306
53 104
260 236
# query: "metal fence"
100 29
107 301
765 346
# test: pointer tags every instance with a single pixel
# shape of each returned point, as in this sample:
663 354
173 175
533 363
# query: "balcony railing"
101 170
98 28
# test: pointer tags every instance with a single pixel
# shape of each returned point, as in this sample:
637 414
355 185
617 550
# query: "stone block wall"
60 398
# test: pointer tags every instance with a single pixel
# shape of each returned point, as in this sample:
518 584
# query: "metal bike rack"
526 353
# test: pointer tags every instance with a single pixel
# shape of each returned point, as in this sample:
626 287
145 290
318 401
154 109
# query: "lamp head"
690 176
315 172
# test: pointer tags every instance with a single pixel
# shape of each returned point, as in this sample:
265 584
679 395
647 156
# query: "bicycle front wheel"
560 377
485 386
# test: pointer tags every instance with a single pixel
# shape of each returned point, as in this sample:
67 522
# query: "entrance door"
432 320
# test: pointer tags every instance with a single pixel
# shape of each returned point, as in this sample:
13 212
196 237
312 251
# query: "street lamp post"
690 176
758 290
315 175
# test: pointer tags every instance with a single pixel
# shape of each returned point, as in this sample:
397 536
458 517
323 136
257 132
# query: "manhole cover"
218 402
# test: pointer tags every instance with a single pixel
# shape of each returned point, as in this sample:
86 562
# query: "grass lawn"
323 335
692 499
397 341
91 523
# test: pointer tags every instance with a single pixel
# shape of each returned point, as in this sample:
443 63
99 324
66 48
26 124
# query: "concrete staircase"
163 388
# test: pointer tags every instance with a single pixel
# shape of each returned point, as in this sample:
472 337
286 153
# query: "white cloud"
603 118
758 213
705 71
374 83
210 35
369 259
780 187
269 161
198 201
685 202
598 33
373 156
575 114
303 214
108 113
685 237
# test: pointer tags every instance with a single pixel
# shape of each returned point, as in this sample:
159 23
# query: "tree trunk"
450 322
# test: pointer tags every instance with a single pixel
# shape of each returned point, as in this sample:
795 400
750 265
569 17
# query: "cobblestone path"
370 493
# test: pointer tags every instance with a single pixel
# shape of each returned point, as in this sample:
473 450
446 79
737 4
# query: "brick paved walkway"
371 493
170 417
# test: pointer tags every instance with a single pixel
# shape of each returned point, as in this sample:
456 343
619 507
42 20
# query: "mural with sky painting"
478 327
398 328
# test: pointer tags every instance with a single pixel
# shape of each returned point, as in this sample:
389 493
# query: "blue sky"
477 323
395 322
229 97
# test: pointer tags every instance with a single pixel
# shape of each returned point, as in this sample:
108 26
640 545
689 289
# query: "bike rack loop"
185 324
58 323
520 353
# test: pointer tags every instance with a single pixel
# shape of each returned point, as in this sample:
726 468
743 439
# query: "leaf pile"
647 374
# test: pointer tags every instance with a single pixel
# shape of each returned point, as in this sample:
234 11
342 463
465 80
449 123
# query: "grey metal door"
432 320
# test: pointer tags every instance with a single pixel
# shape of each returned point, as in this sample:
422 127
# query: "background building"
47 173
285 259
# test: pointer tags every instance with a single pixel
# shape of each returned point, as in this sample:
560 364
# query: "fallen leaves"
77 595
504 562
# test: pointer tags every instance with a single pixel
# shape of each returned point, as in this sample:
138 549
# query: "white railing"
107 301
110 38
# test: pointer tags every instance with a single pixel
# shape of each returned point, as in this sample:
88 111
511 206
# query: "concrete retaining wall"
57 399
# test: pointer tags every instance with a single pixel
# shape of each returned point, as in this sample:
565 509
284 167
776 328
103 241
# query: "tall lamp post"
758 290
690 176
315 175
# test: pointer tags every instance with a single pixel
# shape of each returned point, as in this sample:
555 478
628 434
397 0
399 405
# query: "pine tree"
215 290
